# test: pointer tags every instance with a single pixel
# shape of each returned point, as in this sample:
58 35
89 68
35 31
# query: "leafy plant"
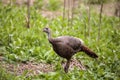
17 43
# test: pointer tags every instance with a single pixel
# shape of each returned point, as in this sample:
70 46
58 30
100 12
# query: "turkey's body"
67 46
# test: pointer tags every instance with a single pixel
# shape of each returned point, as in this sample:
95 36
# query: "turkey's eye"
46 28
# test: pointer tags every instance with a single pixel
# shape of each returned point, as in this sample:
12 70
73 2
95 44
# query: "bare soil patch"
50 14
108 8
32 68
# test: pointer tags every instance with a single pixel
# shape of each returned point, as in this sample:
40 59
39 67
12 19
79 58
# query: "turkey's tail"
88 51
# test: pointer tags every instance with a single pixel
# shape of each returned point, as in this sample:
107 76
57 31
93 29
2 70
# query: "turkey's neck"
49 36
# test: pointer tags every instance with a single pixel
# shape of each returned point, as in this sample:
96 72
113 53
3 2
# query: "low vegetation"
20 44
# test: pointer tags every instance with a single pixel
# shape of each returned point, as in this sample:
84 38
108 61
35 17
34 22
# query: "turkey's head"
47 30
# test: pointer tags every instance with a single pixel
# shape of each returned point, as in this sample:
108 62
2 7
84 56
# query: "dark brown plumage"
67 46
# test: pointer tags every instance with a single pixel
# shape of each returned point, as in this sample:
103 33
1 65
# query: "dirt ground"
33 68
108 8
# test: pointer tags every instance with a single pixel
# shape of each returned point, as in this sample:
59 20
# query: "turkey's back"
74 43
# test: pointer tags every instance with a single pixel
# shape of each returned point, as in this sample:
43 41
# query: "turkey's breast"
63 50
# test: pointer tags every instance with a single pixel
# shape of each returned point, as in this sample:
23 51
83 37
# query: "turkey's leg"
67 66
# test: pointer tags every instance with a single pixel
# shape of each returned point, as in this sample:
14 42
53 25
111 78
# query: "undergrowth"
18 43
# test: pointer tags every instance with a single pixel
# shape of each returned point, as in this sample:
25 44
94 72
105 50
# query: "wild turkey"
67 46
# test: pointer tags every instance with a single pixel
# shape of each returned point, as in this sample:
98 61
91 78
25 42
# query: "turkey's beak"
43 30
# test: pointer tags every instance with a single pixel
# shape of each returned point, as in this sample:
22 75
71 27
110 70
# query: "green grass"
18 43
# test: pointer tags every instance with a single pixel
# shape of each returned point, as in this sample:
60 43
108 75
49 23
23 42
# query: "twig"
64 10
68 12
85 30
89 27
99 29
28 13
72 12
